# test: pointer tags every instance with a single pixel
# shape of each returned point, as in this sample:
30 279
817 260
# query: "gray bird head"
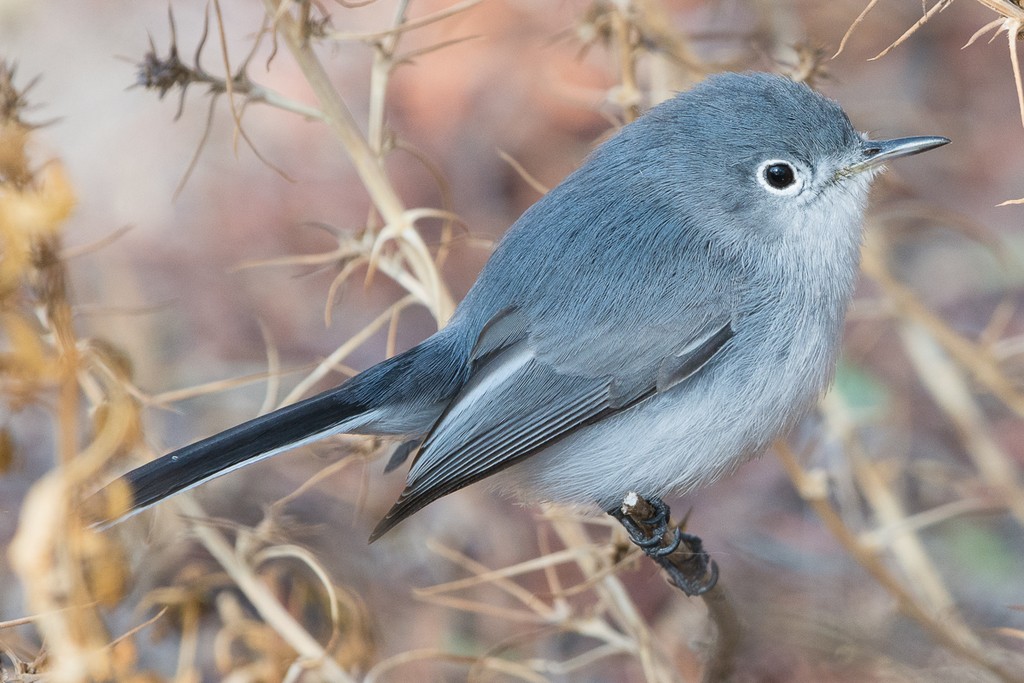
760 152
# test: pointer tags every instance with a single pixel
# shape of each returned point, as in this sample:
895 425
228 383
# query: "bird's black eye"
781 178
779 175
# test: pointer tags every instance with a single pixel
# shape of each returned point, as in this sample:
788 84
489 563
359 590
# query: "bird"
655 320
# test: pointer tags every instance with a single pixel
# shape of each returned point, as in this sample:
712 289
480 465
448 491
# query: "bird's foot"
681 555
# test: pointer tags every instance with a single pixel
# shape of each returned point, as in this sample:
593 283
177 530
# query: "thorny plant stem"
406 26
887 509
620 606
943 379
955 639
264 601
623 32
948 386
982 366
380 73
343 125
1010 9
53 286
258 93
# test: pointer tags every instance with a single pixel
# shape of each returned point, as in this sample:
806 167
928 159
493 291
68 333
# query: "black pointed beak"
876 152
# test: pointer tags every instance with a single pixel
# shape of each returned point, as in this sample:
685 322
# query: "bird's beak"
876 152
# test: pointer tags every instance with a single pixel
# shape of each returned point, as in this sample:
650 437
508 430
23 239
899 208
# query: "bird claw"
695 573
639 535
659 520
684 582
698 564
665 550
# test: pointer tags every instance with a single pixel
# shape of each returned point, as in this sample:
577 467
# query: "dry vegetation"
912 469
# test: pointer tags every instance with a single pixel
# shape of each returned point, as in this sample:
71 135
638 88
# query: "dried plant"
269 607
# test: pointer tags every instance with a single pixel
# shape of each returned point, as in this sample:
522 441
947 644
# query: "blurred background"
179 262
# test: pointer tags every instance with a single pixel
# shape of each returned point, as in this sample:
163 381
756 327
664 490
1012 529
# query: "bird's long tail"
330 412
401 396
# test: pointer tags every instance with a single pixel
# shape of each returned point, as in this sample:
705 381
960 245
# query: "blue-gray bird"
661 316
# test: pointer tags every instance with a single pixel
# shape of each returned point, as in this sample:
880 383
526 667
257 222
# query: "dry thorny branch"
69 572
1010 21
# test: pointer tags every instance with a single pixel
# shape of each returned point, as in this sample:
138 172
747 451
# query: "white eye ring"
780 177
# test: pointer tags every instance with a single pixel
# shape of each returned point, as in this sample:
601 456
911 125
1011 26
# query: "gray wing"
523 396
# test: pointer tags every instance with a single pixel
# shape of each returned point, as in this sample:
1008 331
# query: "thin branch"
620 606
936 8
982 367
343 125
854 25
949 388
964 644
265 602
404 26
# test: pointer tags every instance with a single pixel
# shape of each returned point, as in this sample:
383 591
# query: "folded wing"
518 402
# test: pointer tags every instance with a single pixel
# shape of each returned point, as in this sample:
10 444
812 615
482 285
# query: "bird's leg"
681 555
